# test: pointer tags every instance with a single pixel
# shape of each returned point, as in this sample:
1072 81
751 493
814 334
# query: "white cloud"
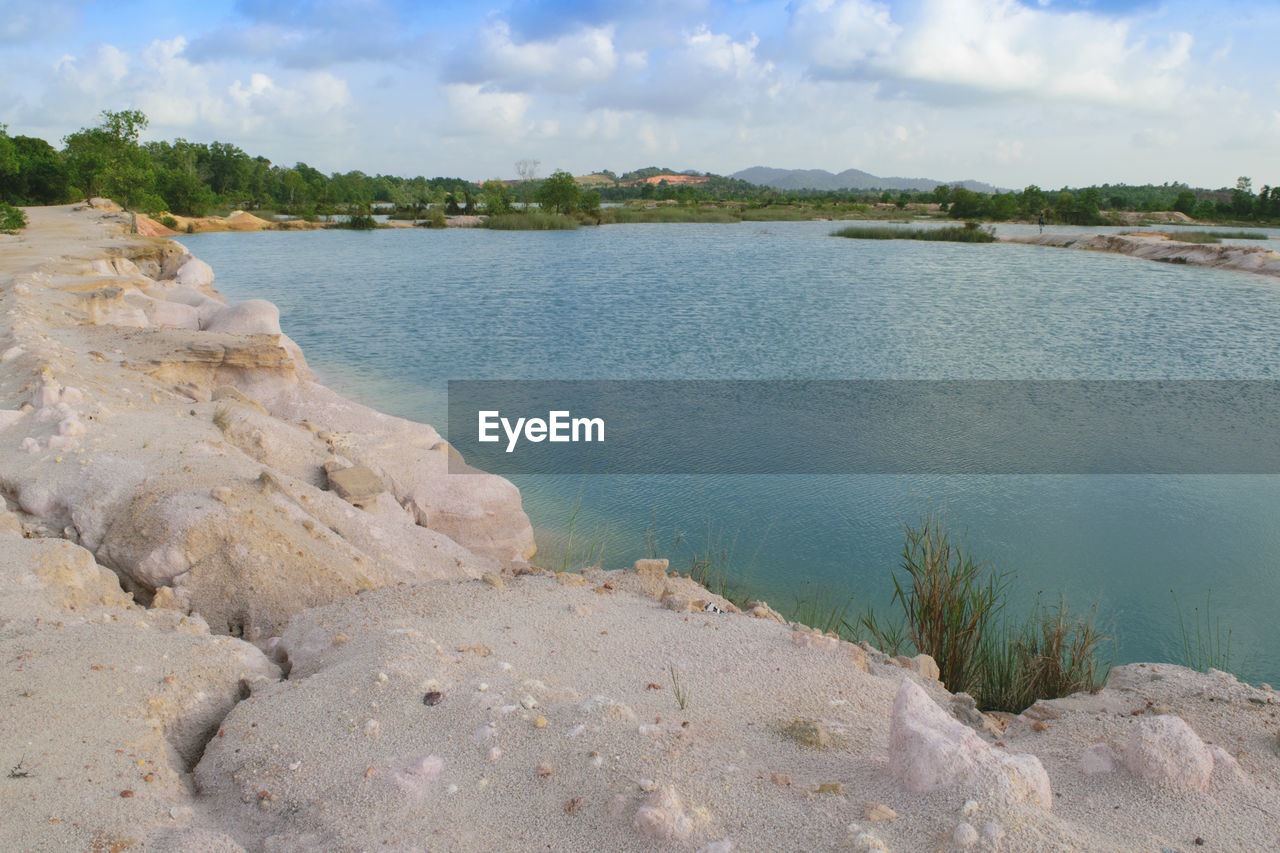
840 34
476 110
101 70
566 63
950 50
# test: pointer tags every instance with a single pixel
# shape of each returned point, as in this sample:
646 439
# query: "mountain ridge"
854 179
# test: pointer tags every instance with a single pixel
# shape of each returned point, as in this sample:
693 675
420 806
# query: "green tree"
967 204
1242 198
589 204
496 197
1185 202
106 160
559 193
8 163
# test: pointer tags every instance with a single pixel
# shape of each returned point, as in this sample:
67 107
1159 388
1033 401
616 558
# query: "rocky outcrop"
216 507
929 751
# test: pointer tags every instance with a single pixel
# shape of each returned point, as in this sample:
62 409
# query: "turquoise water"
387 317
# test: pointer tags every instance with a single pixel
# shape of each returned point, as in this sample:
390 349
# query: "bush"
12 219
970 233
169 222
435 219
531 220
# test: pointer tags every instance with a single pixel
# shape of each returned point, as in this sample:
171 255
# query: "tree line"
193 178
189 178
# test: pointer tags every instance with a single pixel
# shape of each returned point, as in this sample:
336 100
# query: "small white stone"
969 808
504 666
964 837
992 833
494 753
482 686
866 842
382 677
371 728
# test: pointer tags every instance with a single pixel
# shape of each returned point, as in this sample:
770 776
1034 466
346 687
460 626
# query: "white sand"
557 725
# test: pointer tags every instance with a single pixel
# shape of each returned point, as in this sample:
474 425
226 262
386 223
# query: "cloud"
313 34
840 35
476 110
706 74
566 63
956 50
184 99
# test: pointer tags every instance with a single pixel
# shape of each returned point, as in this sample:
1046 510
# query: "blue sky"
1051 92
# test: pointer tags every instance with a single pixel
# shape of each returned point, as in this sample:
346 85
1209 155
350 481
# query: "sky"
1050 92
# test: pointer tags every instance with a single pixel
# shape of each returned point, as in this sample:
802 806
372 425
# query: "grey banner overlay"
878 427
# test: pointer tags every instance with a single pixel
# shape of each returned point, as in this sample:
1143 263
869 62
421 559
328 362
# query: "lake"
387 317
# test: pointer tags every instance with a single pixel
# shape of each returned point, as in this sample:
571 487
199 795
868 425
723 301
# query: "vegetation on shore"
945 604
12 219
1214 236
195 179
531 220
970 233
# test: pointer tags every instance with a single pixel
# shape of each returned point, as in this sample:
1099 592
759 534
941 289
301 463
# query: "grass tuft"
678 688
1210 648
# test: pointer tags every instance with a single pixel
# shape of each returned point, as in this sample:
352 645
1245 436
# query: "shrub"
531 220
971 232
12 219
169 222
949 607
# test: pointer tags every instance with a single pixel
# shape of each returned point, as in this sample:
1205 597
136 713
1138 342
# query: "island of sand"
242 613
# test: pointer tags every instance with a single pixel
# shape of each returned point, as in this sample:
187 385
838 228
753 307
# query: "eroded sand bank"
344 648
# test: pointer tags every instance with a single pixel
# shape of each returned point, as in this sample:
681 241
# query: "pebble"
222 494
371 728
494 580
544 770
828 788
868 842
992 833
434 697
540 723
964 837
969 808
494 753
879 811
528 703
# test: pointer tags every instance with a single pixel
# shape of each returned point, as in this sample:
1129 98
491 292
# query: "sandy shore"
1156 246
242 613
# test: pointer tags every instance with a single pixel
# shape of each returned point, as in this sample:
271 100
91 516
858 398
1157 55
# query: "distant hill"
849 179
